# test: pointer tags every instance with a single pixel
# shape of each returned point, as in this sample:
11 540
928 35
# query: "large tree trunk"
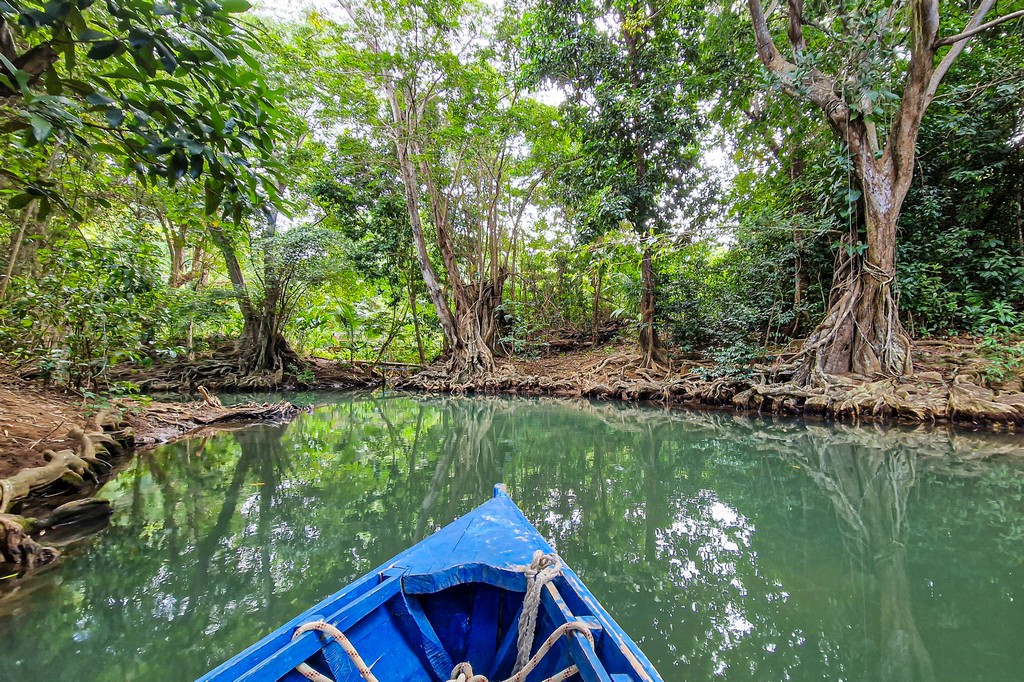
862 333
262 345
264 348
475 312
653 349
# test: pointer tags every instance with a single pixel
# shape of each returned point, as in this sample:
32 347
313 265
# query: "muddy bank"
946 387
57 449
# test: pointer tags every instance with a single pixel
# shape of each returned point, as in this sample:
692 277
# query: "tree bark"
16 242
653 349
262 344
861 332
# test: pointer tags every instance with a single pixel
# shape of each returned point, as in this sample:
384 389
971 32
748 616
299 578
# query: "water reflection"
727 547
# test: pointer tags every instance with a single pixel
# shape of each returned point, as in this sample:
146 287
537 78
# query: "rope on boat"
542 570
307 670
463 672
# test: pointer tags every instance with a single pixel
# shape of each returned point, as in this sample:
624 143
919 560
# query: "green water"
728 547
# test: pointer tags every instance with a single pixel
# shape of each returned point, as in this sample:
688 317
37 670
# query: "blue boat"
484 598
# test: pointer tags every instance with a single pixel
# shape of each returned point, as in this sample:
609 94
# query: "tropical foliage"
409 180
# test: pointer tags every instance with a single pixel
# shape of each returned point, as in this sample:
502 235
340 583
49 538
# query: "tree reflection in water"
869 490
727 547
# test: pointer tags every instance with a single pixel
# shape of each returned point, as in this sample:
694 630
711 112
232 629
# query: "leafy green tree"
873 69
455 124
168 90
625 66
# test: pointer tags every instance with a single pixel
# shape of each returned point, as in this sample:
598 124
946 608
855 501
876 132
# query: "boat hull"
455 597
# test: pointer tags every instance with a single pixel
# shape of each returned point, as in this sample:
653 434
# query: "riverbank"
952 383
57 448
34 419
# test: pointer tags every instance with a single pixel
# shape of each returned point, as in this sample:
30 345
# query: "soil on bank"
34 419
952 382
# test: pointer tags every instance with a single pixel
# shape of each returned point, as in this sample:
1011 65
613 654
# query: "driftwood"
174 419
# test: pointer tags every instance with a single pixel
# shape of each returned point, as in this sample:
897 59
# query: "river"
728 547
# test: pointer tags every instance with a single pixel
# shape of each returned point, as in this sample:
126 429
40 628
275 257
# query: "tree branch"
924 27
958 47
814 85
7 48
970 33
796 26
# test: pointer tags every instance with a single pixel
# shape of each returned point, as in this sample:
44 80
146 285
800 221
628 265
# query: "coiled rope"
542 570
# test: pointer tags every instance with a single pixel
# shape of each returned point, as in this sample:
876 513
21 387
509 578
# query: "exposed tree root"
928 397
75 470
226 370
69 522
81 471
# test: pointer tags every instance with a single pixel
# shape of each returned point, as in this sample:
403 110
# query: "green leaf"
179 165
52 80
195 166
19 201
234 6
44 209
167 58
98 99
105 49
217 52
106 148
91 35
115 117
41 128
213 193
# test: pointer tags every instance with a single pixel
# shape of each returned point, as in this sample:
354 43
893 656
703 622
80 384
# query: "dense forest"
810 188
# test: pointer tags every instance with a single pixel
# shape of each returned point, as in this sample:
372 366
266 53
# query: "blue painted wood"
505 657
585 657
417 629
468 579
483 628
265 647
297 650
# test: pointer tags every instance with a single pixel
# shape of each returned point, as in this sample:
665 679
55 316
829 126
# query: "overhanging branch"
970 33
